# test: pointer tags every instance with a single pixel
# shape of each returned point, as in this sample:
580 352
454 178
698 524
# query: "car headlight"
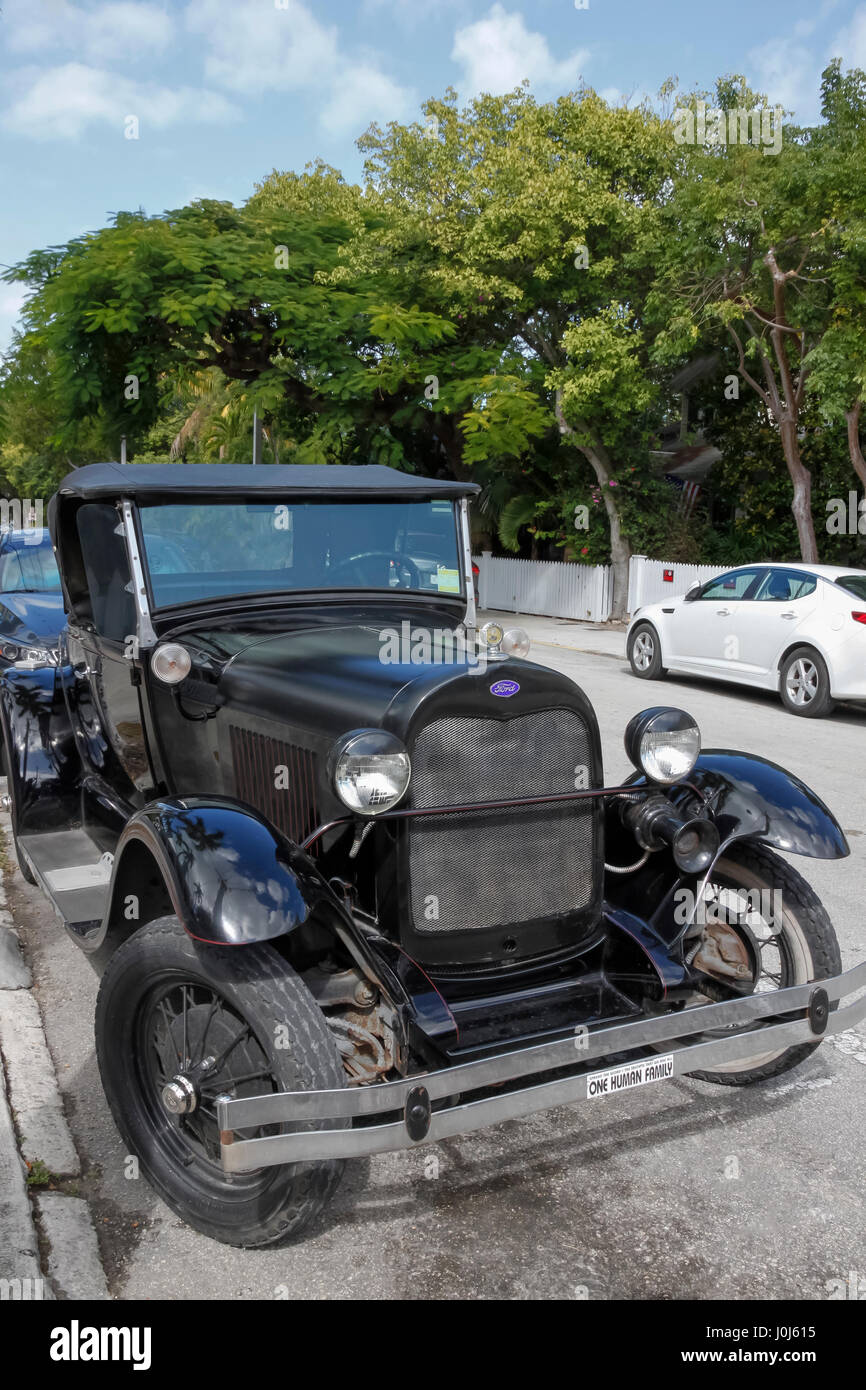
664 743
370 770
29 657
516 642
171 663
491 637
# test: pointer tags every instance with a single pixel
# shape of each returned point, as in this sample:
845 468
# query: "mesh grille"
482 869
287 798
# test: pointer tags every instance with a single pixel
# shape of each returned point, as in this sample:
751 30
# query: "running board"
72 872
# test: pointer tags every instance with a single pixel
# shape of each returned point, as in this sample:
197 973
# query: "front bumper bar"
782 1018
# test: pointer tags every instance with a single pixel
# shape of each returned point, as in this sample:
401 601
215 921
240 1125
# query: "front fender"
231 878
753 798
233 881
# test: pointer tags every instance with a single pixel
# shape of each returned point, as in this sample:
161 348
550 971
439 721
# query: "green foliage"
504 299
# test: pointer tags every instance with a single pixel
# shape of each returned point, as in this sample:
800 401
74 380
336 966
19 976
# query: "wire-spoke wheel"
644 652
764 929
178 1025
805 684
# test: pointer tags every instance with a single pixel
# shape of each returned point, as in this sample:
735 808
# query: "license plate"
612 1080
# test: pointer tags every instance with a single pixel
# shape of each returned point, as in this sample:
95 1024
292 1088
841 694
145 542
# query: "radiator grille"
258 762
484 869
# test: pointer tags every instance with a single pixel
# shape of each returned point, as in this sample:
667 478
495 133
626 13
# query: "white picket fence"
649 581
562 589
556 588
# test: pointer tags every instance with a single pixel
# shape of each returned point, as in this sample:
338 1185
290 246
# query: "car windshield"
199 551
28 565
854 583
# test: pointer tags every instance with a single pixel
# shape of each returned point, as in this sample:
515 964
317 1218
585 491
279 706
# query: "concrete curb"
34 1132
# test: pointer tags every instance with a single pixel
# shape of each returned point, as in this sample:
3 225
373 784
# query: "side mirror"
692 591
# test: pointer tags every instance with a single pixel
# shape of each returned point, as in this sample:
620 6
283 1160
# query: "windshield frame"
282 597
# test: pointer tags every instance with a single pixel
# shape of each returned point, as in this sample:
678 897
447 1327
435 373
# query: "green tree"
527 225
749 239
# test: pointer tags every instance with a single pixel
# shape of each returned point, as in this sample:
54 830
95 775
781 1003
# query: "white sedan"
796 629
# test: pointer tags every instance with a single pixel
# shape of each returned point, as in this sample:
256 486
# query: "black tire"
804 684
807 950
645 653
257 991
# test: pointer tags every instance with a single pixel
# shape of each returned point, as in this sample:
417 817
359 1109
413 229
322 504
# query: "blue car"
31 602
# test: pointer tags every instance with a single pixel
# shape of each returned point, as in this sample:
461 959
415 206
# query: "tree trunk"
801 506
858 462
620 549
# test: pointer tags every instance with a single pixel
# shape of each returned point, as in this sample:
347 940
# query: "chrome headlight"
491 636
516 642
664 743
370 771
171 663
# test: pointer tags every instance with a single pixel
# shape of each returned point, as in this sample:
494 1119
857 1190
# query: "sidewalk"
596 639
48 1247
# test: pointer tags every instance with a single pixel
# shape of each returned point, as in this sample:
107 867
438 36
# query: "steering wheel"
402 562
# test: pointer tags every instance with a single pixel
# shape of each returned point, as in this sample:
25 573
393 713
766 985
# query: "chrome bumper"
801 1013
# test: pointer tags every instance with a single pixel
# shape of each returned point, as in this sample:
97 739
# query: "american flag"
689 493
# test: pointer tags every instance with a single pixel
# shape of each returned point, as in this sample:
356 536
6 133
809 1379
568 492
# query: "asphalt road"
681 1190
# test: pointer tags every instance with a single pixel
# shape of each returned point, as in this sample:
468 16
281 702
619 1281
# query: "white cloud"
124 30
498 52
850 43
252 48
363 95
785 71
64 101
245 48
789 70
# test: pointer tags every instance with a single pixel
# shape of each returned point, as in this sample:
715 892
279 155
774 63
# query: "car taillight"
858 615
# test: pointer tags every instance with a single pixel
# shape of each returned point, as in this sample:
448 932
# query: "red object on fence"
668 576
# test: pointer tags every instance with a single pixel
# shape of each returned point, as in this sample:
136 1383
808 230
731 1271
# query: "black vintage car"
351 875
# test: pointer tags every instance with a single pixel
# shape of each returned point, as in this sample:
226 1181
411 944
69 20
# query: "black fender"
42 761
749 798
232 879
753 798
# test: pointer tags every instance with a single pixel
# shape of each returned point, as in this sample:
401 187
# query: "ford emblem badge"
504 688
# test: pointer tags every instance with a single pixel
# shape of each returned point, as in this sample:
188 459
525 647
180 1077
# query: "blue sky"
226 90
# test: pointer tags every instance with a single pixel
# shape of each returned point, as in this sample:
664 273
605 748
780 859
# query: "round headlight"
516 642
171 663
371 771
491 635
664 743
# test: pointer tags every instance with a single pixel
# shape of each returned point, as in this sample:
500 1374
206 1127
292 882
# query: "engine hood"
32 617
333 679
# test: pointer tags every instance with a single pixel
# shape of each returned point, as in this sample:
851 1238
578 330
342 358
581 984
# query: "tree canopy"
508 297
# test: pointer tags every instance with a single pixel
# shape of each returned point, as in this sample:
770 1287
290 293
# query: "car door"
783 601
106 696
704 629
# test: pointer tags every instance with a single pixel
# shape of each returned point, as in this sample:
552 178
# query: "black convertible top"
148 481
